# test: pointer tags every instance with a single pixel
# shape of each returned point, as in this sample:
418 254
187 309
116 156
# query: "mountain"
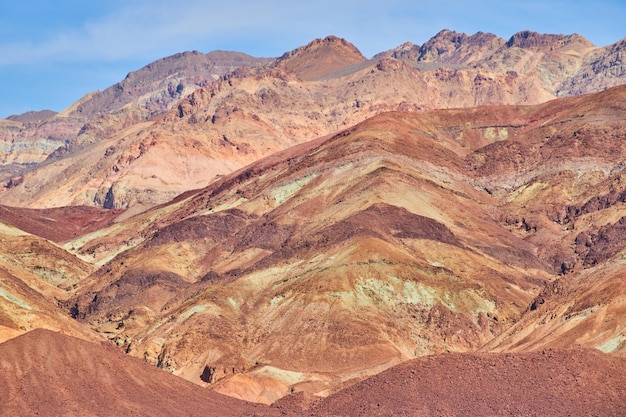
327 226
33 137
53 374
250 114
565 65
315 263
550 382
35 278
409 234
32 116
320 58
601 69
459 49
158 85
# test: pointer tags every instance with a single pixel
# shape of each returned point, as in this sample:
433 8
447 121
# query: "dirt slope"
47 373
550 382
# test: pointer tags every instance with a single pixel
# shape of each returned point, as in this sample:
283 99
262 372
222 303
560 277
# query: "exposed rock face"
409 234
602 68
249 114
160 84
34 275
453 48
246 116
31 143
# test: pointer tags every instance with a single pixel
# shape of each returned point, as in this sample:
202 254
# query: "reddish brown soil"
49 374
58 224
46 373
573 382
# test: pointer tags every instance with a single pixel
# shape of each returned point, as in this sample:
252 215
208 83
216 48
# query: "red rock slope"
574 382
47 373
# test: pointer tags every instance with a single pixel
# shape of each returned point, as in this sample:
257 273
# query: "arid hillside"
130 153
48 373
409 234
438 230
37 137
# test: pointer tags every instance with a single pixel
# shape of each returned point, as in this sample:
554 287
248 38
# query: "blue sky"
54 52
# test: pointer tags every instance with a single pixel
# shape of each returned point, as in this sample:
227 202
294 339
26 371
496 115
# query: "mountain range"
326 233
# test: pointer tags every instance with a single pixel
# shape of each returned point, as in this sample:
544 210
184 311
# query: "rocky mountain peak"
532 40
452 47
320 58
156 86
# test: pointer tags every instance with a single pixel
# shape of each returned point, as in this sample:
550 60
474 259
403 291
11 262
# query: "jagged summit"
532 40
451 47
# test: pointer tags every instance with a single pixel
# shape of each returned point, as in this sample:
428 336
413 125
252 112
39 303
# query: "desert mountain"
409 234
303 226
315 266
32 116
250 114
320 59
564 64
36 273
158 85
35 136
35 276
550 382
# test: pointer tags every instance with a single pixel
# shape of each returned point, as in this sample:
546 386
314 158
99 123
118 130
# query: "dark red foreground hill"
49 374
566 382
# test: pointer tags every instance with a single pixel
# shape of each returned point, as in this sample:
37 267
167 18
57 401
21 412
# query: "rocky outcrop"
158 85
459 49
602 68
